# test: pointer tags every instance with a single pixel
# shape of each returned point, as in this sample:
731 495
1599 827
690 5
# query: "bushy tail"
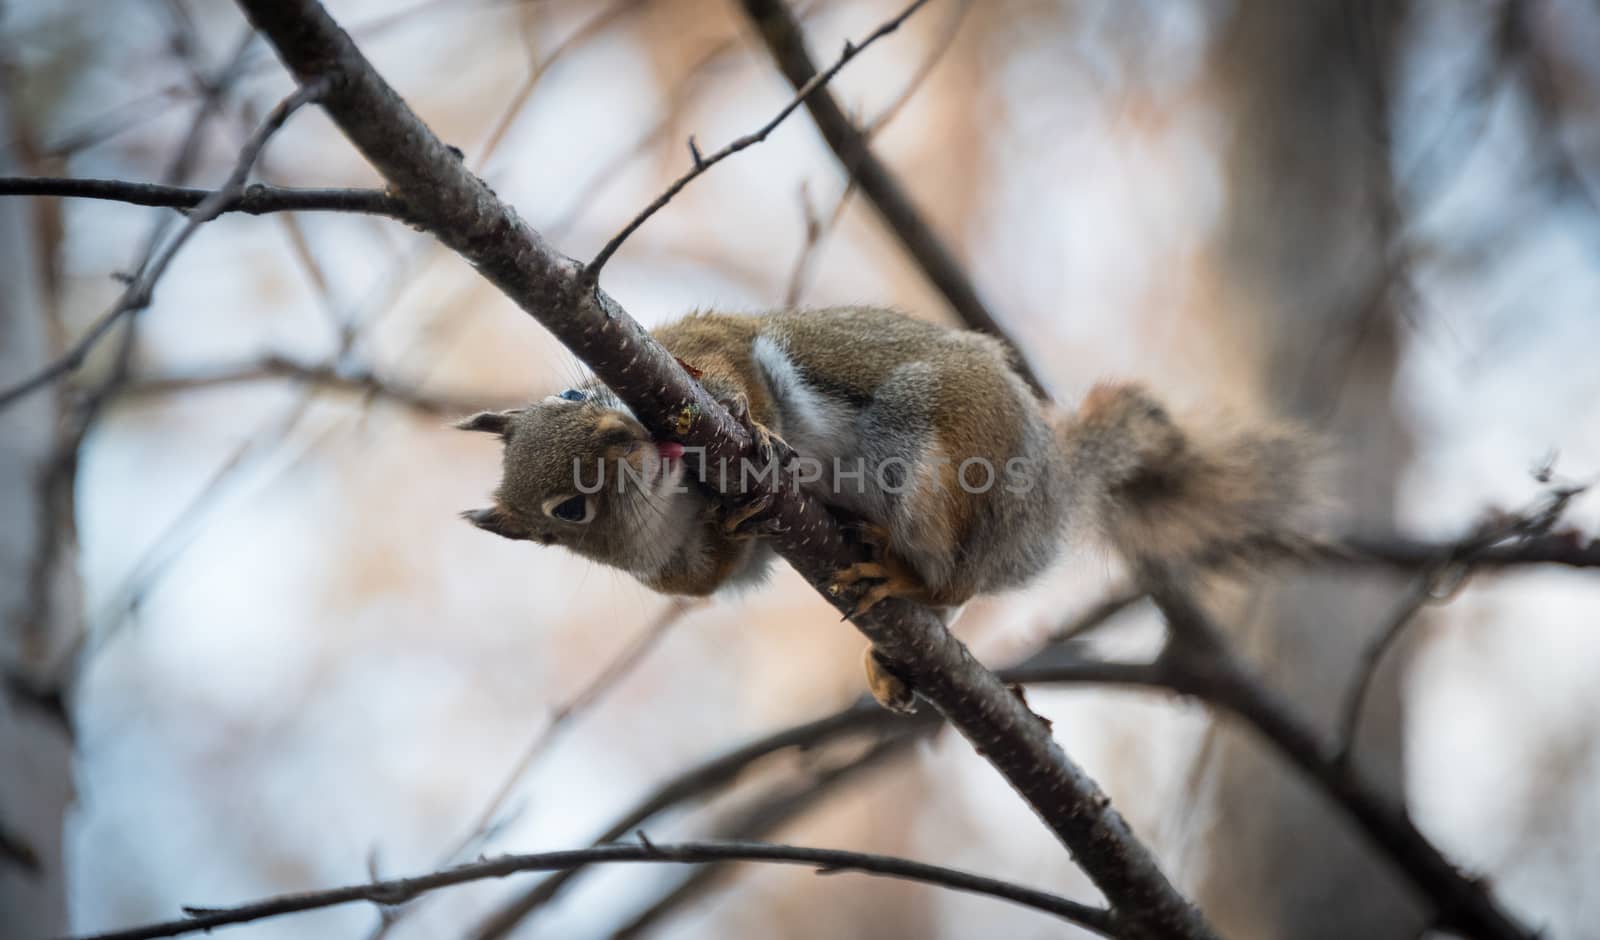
1189 496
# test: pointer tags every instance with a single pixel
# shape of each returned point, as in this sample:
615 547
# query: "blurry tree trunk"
1305 315
38 592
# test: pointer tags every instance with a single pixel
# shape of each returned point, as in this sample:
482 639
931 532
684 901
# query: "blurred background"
251 649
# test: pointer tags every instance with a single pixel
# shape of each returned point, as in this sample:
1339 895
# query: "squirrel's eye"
570 508
574 394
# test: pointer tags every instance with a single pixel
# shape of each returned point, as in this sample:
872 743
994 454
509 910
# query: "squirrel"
961 481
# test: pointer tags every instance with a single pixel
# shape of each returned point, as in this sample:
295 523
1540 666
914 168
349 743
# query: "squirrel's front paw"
890 690
770 448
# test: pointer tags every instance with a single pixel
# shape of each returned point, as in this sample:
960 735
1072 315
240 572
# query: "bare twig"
788 802
591 272
48 700
1440 580
1198 662
17 852
400 890
1366 670
1568 549
778 28
350 379
1096 616
255 199
137 296
457 208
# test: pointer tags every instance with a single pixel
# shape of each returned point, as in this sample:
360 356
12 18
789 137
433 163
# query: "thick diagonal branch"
464 214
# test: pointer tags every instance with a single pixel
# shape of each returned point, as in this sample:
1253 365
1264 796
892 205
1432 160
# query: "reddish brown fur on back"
717 346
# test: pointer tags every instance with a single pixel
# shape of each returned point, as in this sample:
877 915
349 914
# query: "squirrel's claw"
749 520
894 579
769 446
890 690
860 571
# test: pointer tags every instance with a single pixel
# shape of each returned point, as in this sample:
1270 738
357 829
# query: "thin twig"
138 295
17 852
788 802
1441 579
400 890
1568 549
255 199
351 379
1114 603
591 271
1366 670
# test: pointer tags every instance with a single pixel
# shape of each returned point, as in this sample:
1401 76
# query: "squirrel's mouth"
670 452
664 472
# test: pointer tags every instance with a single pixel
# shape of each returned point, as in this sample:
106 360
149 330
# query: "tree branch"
358 380
1442 578
1197 662
463 213
1366 670
827 861
778 28
1568 549
18 852
782 805
255 199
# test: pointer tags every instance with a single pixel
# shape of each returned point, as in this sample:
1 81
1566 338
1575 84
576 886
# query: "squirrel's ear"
493 422
496 521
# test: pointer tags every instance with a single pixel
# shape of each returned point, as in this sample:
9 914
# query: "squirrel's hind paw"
890 690
893 577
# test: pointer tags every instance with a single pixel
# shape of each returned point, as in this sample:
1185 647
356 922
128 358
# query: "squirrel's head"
581 472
